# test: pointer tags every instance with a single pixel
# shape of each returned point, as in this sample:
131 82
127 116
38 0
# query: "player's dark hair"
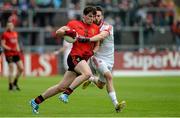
98 8
89 9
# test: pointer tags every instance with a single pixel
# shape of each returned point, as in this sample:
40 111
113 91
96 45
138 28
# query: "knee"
87 75
21 70
108 77
11 69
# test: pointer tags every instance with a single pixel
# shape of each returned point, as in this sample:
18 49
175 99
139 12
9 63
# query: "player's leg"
96 81
10 75
20 69
112 93
96 65
104 70
93 78
61 86
85 73
68 78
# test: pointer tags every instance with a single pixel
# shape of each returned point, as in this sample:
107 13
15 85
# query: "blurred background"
147 33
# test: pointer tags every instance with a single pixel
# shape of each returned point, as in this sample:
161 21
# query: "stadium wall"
35 65
159 63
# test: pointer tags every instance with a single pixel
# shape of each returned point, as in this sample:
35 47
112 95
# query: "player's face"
89 18
10 26
98 17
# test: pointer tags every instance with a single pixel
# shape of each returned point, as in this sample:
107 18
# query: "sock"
15 81
68 91
10 86
39 99
113 97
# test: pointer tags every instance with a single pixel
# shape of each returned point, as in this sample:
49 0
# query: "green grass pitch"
145 97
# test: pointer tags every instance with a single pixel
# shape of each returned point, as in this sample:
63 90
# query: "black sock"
15 82
68 91
39 99
10 86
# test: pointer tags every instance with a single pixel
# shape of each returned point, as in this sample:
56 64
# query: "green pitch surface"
145 97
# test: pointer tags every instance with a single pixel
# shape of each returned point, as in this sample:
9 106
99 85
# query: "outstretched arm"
60 50
101 36
61 31
66 31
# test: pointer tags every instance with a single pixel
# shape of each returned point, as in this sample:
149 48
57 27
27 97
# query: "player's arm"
18 47
101 36
65 30
61 31
60 50
3 44
96 48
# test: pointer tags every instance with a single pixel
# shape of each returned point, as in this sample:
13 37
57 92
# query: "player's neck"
85 22
100 23
8 30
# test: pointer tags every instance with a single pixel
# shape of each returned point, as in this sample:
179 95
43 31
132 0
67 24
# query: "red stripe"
95 61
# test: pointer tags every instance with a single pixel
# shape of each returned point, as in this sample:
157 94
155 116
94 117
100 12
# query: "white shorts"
100 66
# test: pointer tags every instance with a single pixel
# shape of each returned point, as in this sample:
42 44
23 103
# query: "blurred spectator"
44 19
117 30
110 19
148 28
6 6
24 5
57 3
14 3
176 32
170 5
14 19
124 7
74 11
140 16
136 34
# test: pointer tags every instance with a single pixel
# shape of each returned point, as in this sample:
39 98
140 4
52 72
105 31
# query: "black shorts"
72 61
11 59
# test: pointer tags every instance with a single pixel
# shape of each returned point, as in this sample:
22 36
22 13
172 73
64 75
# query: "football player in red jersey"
79 69
12 53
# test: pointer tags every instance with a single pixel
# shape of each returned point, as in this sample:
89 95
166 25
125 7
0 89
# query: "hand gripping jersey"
106 50
84 50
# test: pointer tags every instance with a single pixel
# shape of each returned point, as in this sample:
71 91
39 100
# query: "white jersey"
106 50
66 53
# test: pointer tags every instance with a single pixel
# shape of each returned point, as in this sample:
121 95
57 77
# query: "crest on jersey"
93 31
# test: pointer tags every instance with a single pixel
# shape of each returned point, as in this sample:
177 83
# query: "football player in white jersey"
103 60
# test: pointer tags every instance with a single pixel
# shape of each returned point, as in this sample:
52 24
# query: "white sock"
113 97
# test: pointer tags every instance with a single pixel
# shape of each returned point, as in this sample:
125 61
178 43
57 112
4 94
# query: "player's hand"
71 33
83 39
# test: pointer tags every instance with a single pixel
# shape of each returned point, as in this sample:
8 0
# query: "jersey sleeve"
108 28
